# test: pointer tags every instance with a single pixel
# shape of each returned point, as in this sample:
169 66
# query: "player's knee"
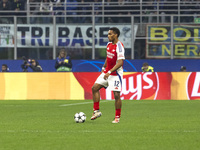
94 88
117 95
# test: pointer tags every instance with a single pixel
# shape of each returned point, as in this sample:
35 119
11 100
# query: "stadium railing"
127 15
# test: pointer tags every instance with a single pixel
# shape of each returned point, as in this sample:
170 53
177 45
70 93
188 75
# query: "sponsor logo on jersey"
110 55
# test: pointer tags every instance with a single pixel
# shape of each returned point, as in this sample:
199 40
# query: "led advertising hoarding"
77 86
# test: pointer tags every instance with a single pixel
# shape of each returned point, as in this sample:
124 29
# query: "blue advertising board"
160 65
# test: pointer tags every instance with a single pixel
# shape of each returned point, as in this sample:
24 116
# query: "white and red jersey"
114 53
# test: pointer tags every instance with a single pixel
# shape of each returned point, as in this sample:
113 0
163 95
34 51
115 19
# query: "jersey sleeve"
120 51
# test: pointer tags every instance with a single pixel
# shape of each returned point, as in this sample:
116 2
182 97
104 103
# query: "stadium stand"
104 12
103 8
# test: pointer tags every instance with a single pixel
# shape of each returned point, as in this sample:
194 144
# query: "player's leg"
115 84
99 83
96 95
118 105
96 99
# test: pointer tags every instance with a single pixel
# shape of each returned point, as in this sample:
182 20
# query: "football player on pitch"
111 74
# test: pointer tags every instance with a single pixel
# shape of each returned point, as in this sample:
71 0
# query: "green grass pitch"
144 125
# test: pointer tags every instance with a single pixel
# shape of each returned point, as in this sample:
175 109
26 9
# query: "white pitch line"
79 103
95 131
61 131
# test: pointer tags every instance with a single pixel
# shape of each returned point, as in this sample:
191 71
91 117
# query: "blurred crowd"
65 10
83 8
12 5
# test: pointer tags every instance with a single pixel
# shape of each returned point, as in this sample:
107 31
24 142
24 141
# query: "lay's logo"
193 86
148 85
140 86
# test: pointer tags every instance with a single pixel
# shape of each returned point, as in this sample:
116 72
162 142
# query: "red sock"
117 113
96 106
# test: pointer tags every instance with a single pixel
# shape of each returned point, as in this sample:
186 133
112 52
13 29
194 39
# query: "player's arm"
117 66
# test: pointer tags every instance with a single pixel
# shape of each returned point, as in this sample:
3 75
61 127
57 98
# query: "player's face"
111 36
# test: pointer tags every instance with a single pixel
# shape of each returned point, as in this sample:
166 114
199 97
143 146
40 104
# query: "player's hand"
102 70
106 76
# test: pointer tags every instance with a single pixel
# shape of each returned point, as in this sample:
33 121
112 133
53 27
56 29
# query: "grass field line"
80 103
96 131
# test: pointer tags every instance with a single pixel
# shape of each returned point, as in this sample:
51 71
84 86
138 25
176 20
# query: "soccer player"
111 74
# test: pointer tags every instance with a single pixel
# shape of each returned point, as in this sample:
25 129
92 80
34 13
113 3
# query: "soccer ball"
79 117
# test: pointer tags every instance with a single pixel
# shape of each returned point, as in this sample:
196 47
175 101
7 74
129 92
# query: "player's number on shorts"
116 83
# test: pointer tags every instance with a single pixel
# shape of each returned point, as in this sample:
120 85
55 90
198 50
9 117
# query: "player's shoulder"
120 46
119 43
